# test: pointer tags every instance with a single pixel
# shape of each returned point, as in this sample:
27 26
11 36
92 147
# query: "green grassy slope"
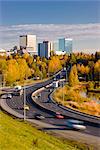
17 135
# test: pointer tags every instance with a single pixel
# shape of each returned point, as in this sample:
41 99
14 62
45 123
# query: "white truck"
18 90
55 84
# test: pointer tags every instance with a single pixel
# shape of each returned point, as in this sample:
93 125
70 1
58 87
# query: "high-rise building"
62 44
28 42
68 45
65 45
56 46
45 48
41 50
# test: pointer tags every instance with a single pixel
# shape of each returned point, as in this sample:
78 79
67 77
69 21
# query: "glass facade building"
68 45
65 45
44 49
62 44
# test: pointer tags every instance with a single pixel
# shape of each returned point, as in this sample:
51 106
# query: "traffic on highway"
51 112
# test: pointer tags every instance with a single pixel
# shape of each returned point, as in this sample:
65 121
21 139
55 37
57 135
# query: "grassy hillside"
17 135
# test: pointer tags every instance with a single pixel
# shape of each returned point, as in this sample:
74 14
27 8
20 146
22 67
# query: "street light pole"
24 103
66 75
63 92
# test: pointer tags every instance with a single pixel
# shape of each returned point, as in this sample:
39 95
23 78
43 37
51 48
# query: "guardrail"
9 110
71 110
84 116
37 103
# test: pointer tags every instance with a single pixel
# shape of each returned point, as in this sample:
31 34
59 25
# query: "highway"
17 101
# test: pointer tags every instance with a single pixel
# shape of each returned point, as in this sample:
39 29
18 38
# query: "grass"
19 135
73 100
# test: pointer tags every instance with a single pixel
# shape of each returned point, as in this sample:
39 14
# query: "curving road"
17 101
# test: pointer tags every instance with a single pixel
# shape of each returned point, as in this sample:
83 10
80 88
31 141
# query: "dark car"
39 116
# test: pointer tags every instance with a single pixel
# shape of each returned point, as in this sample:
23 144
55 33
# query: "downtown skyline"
50 20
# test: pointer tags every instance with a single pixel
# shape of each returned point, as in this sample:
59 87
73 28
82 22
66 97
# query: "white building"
28 42
60 52
2 52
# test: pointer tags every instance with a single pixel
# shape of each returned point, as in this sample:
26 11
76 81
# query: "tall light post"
24 103
63 91
66 76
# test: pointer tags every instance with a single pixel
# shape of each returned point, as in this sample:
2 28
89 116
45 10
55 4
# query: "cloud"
9 35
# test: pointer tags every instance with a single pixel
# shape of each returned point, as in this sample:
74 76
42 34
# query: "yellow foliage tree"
73 77
54 65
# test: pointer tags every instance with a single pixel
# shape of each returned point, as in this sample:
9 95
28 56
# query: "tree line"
18 68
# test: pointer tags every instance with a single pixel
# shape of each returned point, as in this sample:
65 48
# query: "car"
18 87
38 116
9 96
26 107
75 124
59 116
50 90
39 95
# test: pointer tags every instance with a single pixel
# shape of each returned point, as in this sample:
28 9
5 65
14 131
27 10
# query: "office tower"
56 45
41 50
28 42
62 44
68 45
65 45
45 48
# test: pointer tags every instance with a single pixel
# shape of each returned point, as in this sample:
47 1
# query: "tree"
3 68
97 70
29 60
12 73
38 73
54 65
73 77
24 70
25 56
72 59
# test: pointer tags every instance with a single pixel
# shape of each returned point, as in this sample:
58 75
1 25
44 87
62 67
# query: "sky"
45 12
50 20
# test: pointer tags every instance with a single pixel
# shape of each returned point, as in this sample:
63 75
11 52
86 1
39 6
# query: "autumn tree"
12 73
3 69
29 60
54 65
73 77
97 70
24 70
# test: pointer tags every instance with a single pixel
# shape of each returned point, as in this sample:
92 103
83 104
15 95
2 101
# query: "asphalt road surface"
17 102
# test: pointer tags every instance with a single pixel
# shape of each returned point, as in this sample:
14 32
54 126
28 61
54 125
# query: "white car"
18 87
75 124
5 96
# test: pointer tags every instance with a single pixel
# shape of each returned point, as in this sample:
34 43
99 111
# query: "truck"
55 84
18 91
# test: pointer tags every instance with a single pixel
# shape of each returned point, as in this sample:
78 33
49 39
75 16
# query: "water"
90 95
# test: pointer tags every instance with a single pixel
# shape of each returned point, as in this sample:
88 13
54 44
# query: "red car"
59 116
